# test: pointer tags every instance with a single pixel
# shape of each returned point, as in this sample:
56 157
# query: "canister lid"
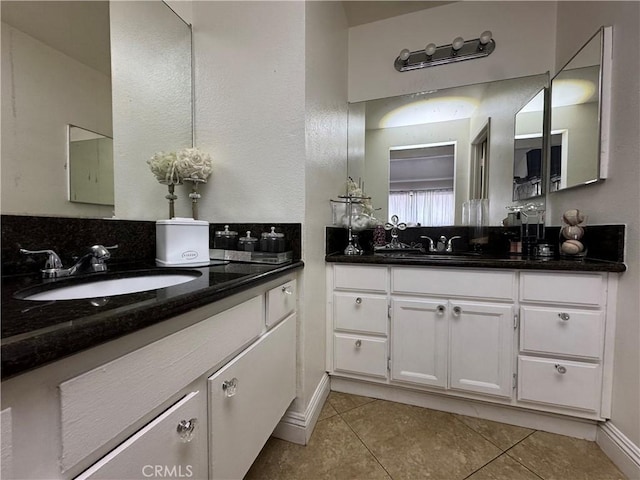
272 234
226 232
248 238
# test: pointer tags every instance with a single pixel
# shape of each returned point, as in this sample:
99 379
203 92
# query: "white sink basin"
108 286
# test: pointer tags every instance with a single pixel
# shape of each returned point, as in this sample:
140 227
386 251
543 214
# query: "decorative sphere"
404 54
485 37
572 247
573 217
457 43
575 232
430 49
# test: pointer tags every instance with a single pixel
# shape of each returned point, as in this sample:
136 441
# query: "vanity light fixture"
457 51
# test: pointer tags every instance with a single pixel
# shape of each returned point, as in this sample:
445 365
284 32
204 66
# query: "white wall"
326 169
617 200
250 109
270 90
34 124
516 27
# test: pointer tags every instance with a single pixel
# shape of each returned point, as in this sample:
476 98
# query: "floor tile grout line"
506 452
362 441
482 466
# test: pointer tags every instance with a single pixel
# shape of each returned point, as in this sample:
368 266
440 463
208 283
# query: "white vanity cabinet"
459 342
152 404
538 340
562 339
359 307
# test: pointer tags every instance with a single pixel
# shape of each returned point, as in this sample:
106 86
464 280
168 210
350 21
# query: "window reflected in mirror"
421 184
90 167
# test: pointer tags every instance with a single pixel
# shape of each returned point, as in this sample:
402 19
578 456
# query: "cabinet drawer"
360 278
100 404
281 301
452 283
540 380
242 419
562 331
563 288
158 449
360 355
360 312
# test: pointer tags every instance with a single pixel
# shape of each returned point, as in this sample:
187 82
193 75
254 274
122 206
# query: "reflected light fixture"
457 51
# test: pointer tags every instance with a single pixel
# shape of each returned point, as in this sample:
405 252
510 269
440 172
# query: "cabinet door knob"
230 387
186 429
457 311
287 290
564 316
440 309
561 369
358 343
358 301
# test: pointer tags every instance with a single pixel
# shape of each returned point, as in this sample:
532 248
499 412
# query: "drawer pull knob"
358 301
358 343
287 290
561 369
457 311
186 429
230 387
440 309
564 316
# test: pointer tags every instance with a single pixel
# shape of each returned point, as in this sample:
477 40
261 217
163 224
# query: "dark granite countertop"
480 261
35 333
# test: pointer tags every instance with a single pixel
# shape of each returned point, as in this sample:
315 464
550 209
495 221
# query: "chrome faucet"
449 247
92 262
443 245
432 246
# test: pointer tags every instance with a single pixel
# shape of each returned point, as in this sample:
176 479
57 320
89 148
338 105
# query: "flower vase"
195 195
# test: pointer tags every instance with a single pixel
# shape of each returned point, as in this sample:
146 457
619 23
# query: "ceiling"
360 12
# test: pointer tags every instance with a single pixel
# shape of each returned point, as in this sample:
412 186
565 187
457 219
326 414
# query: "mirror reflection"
422 145
575 119
90 167
88 64
528 157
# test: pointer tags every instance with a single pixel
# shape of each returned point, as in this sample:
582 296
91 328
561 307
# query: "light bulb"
430 49
457 43
404 54
485 37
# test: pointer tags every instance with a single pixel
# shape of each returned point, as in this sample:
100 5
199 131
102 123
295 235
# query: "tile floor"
364 438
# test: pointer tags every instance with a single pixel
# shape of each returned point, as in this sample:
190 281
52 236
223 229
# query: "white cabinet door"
419 342
160 449
481 348
247 399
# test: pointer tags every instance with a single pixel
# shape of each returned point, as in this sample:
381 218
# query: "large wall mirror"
577 99
529 155
95 65
416 150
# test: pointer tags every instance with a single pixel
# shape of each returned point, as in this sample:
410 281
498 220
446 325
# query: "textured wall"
516 27
249 90
617 199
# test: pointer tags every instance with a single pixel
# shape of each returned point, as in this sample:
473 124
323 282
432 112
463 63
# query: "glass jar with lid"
272 241
248 243
225 239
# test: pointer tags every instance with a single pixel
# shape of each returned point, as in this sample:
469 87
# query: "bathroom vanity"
192 382
517 340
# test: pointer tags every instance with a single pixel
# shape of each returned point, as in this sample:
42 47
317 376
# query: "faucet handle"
101 252
53 261
450 243
432 247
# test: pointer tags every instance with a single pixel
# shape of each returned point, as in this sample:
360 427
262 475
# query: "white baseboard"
297 427
622 451
548 422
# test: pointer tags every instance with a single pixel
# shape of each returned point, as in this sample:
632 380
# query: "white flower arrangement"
188 164
192 164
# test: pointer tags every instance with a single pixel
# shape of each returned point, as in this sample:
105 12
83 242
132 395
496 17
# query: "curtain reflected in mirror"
90 166
421 184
